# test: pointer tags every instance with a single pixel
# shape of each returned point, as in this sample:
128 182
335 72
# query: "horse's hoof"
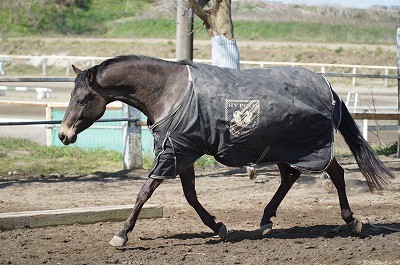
356 226
251 172
118 241
223 232
265 229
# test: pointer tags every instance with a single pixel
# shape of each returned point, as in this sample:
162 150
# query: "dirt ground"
307 230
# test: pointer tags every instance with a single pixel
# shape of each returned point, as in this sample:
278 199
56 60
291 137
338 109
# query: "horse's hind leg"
289 176
336 173
144 194
188 185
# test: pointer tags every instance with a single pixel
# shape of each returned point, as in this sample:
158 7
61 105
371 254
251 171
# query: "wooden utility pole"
184 31
398 87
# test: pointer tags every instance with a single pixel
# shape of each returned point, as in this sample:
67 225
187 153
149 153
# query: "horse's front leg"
188 185
120 239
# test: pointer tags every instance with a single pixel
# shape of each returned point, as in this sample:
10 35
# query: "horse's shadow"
296 232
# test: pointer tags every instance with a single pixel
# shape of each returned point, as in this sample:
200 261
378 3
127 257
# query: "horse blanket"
242 117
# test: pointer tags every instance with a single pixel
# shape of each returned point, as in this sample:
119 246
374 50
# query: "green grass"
252 30
148 28
202 162
152 28
28 157
205 161
147 160
386 149
120 18
307 31
78 17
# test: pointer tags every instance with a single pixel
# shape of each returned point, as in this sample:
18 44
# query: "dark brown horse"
299 136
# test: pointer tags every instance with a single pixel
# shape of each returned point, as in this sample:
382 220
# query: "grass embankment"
27 157
259 31
36 17
245 30
140 19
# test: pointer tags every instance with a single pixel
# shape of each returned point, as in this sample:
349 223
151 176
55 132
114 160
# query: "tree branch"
199 11
215 7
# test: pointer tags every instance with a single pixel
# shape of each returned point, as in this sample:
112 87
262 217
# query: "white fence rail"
65 62
42 92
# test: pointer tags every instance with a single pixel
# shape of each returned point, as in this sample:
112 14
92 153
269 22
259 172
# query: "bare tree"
216 15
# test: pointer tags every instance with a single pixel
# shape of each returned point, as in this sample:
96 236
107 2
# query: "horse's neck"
155 89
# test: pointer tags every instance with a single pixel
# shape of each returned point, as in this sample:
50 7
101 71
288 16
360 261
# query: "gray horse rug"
243 117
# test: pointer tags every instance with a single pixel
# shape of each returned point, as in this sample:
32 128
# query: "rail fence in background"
340 70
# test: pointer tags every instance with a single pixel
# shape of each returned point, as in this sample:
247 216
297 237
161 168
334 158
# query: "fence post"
386 80
44 66
67 69
365 128
48 127
132 138
354 78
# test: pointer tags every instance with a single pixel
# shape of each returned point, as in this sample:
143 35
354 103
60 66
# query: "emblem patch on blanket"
242 116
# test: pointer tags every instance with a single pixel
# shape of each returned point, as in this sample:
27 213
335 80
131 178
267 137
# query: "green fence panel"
106 135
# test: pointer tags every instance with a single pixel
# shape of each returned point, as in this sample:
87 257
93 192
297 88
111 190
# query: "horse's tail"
375 172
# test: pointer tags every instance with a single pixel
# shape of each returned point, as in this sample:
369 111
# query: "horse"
282 115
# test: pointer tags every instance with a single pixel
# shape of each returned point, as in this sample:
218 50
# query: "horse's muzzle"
65 139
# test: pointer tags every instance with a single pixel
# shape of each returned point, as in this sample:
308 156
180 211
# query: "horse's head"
85 106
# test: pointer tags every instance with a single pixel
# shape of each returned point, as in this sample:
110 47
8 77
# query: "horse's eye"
85 99
81 102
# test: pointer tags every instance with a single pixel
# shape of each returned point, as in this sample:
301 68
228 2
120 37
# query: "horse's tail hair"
375 172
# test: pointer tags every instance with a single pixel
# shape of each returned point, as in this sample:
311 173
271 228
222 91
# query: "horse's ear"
77 70
89 76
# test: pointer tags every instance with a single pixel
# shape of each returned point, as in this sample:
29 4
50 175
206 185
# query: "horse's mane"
127 59
132 59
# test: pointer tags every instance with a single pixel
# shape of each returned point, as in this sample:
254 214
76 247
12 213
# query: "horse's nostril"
61 136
